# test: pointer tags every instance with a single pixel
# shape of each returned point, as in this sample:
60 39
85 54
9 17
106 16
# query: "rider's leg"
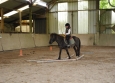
68 39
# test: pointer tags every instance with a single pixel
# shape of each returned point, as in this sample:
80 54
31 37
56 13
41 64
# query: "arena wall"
18 41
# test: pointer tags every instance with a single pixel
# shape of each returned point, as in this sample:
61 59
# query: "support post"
30 17
47 15
72 22
20 17
2 21
97 24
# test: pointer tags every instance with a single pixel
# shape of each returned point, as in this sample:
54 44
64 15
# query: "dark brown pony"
62 44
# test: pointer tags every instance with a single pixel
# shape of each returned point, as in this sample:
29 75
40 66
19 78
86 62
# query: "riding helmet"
67 24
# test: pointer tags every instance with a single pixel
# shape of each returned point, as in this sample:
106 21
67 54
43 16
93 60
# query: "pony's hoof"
58 59
69 58
68 46
78 56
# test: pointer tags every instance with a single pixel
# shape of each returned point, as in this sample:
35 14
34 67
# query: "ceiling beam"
9 9
51 2
27 15
21 1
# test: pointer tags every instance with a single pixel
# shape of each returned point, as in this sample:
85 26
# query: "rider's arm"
68 32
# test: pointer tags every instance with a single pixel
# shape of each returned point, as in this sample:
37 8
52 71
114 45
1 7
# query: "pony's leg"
68 53
75 50
78 51
59 54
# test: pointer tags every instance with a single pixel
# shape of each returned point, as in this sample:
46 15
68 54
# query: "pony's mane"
61 35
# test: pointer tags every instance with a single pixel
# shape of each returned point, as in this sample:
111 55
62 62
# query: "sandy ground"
97 66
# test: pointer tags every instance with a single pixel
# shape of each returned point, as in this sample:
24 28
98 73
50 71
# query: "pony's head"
52 38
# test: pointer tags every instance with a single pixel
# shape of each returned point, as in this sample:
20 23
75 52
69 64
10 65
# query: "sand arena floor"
97 66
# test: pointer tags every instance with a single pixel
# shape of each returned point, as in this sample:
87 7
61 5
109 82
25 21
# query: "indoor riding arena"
30 54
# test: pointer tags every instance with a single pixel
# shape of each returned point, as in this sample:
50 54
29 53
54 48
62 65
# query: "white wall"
86 39
41 40
17 41
10 41
26 40
107 40
1 45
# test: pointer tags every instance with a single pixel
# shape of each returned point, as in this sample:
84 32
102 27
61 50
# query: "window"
62 17
25 27
3 1
104 4
83 17
76 13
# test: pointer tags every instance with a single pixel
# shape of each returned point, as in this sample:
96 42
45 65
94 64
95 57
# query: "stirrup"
68 46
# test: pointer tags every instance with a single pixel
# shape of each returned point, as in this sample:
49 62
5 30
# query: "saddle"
71 40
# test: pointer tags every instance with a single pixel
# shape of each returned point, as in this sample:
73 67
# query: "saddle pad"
72 41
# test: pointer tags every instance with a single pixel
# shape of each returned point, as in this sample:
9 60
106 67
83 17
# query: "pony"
63 45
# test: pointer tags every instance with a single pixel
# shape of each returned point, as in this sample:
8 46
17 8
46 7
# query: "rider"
68 33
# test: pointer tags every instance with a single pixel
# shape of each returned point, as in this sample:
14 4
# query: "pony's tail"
79 43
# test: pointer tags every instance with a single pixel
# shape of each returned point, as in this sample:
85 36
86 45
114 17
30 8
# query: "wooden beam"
2 21
55 60
20 17
30 18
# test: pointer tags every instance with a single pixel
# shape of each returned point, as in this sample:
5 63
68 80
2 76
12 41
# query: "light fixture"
33 0
3 18
2 1
23 8
41 3
80 0
10 13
